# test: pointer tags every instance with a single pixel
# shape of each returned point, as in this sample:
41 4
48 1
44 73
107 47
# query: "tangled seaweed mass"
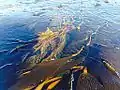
50 69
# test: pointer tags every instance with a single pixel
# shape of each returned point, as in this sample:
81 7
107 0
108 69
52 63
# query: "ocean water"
21 20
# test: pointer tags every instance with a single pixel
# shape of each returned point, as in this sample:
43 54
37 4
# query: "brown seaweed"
42 71
48 39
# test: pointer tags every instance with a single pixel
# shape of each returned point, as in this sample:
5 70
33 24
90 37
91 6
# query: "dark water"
98 17
14 35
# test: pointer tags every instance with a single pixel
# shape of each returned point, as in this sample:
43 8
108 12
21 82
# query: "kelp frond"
47 81
54 40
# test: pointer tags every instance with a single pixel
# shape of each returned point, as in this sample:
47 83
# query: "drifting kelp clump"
51 43
47 73
51 73
47 70
58 74
49 40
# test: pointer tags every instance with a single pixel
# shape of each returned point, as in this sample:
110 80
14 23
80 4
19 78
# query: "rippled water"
23 19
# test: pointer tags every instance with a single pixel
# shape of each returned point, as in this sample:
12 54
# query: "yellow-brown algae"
85 71
39 87
52 85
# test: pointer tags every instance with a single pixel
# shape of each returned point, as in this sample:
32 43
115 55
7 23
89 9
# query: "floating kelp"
44 70
54 81
52 41
111 69
52 60
47 70
49 39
